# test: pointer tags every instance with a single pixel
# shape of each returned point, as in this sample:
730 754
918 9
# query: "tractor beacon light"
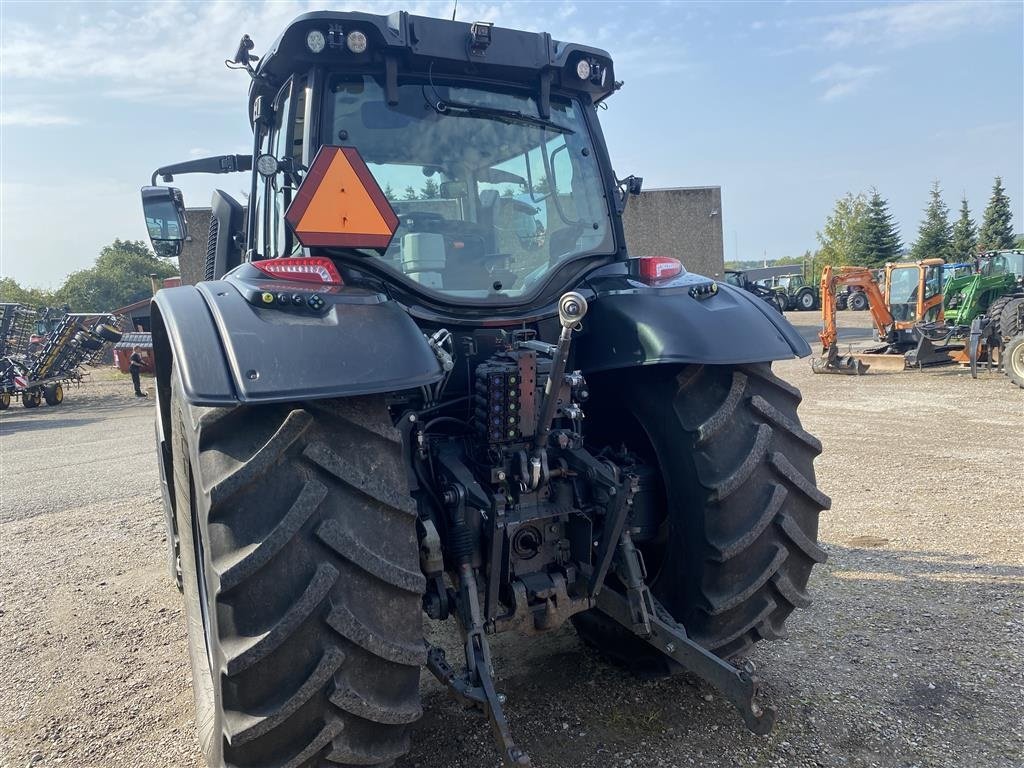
304 270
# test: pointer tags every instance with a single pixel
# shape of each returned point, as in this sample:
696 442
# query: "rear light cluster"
658 269
304 270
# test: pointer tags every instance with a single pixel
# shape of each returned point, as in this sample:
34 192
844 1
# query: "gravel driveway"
911 654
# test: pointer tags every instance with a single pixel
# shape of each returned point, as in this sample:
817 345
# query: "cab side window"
286 143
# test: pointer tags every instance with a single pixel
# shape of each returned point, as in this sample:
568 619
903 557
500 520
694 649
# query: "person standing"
134 367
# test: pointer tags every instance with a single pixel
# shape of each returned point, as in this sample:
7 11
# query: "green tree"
430 190
410 193
880 240
842 240
997 226
965 234
389 192
11 292
119 277
935 236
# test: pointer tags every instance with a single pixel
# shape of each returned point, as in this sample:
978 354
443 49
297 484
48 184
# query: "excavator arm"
858 276
831 361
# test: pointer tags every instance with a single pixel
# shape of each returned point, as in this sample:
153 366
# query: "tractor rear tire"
54 394
1011 316
301 582
857 301
740 535
31 398
1013 360
806 300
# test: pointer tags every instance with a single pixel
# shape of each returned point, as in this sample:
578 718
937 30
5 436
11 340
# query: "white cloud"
905 24
34 119
842 79
173 52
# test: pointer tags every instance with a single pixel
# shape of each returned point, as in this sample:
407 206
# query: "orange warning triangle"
339 204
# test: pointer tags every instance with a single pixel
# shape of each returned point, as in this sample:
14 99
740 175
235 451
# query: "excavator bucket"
882 362
832 362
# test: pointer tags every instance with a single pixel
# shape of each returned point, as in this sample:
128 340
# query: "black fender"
683 321
228 351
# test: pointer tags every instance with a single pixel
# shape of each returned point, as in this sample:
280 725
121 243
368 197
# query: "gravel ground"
910 655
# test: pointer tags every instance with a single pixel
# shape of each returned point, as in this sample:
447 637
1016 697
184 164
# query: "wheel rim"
58 394
807 301
1017 361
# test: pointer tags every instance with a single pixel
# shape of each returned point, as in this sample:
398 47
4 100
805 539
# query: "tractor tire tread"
317 638
745 540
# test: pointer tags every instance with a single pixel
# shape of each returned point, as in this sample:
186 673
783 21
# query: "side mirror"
164 210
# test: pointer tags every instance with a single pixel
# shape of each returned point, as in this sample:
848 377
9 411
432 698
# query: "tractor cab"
1003 263
474 170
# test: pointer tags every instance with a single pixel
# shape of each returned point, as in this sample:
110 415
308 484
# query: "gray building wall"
684 222
192 261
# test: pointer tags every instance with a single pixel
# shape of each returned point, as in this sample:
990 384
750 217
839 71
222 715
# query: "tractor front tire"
301 582
740 533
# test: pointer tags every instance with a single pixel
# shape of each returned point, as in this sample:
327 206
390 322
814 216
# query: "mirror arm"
218 164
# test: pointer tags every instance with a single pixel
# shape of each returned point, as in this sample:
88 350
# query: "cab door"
930 306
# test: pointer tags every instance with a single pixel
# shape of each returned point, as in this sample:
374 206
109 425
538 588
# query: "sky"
786 106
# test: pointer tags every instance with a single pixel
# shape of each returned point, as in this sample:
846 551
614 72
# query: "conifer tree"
880 239
997 226
965 234
934 238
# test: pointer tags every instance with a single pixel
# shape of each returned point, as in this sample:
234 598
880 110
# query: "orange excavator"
908 318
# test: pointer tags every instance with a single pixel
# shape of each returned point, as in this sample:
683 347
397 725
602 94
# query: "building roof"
135 339
140 304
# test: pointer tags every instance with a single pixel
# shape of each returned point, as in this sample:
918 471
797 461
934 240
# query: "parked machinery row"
41 351
925 314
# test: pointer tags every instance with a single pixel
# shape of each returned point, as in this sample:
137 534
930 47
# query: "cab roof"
438 46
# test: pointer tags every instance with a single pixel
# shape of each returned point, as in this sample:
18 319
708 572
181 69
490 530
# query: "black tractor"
426 376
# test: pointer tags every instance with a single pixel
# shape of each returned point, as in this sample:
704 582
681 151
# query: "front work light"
583 69
315 41
355 41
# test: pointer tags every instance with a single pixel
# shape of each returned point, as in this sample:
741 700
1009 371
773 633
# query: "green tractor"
969 296
801 294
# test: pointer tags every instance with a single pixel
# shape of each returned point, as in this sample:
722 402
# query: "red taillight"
304 270
658 269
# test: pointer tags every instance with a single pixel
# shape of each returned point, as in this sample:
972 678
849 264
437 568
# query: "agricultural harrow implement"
37 367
